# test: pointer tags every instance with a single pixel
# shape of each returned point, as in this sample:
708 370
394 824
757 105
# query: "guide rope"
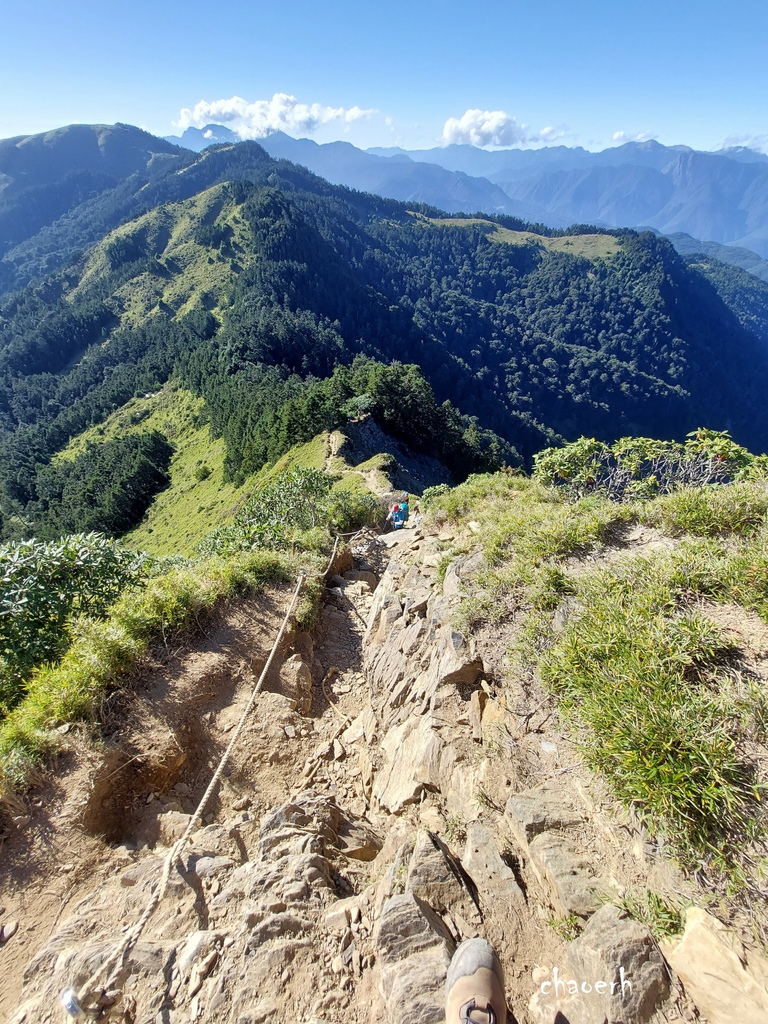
93 997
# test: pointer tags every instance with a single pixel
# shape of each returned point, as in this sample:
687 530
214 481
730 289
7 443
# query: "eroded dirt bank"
394 792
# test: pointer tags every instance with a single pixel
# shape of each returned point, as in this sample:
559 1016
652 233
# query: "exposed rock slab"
624 953
538 810
414 949
435 876
415 760
729 985
485 865
569 876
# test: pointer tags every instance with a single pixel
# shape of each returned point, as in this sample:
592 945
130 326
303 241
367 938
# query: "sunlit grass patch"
738 508
526 531
647 684
665 916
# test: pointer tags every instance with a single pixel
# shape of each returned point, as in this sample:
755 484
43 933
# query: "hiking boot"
474 988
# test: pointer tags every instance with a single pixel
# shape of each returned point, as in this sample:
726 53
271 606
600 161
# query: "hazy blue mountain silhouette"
720 197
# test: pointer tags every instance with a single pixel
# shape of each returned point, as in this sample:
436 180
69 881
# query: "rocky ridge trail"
394 792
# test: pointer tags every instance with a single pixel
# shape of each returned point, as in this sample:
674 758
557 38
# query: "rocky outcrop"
545 822
238 921
414 948
424 902
614 974
413 655
410 825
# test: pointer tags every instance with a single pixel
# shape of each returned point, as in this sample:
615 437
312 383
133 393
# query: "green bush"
350 509
295 511
296 502
42 585
642 467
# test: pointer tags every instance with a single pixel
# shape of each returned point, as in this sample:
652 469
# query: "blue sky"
415 74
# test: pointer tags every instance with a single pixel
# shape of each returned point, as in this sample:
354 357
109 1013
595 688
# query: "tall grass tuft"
648 682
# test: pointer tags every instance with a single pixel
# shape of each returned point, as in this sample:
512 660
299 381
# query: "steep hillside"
706 195
188 254
738 257
196 498
446 752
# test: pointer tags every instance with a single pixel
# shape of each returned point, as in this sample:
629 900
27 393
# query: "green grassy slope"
590 246
641 618
189 253
197 499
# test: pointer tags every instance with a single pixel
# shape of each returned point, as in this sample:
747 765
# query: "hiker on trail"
474 988
397 515
400 514
389 522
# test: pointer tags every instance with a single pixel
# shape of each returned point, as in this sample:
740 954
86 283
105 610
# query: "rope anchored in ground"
93 998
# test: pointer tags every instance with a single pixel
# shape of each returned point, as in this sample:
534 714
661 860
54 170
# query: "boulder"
209 867
278 926
540 810
569 876
435 876
171 826
623 953
412 751
728 984
296 683
357 840
452 580
362 576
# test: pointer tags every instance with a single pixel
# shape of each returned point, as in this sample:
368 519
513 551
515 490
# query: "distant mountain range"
720 197
59 191
397 177
278 299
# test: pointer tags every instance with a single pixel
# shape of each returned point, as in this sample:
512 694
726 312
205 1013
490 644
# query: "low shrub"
42 585
643 466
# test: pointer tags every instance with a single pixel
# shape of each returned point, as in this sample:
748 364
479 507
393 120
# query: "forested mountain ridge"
43 177
257 285
718 196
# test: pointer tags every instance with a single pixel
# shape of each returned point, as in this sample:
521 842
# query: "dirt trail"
363 827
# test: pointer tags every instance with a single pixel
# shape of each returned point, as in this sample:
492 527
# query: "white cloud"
262 117
622 137
483 128
758 142
551 134
495 128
